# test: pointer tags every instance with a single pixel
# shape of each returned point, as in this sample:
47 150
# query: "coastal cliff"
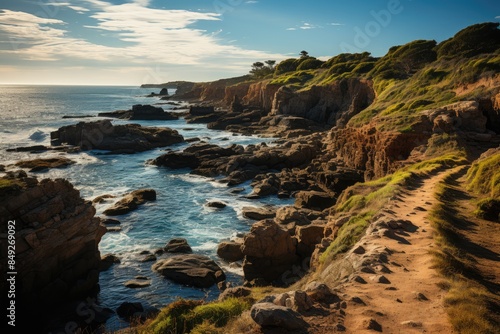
56 245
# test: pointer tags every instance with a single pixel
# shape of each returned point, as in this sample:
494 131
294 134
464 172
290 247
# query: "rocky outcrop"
131 202
240 163
269 251
102 135
56 238
372 151
190 269
333 104
141 112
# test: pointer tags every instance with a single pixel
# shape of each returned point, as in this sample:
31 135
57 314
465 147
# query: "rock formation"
190 269
57 259
131 202
102 135
269 251
141 112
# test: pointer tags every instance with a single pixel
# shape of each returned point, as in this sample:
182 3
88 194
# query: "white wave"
38 136
206 246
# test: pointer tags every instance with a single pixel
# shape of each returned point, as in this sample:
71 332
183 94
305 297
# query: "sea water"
27 116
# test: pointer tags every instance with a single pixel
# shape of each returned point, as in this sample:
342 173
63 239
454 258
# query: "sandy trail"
401 294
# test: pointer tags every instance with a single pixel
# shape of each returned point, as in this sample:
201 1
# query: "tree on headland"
304 54
271 63
260 70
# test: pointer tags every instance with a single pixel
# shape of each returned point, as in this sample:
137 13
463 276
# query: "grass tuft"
188 316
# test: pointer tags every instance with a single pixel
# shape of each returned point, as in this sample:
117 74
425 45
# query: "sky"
130 42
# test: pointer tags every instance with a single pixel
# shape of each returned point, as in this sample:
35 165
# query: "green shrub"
287 65
471 41
310 63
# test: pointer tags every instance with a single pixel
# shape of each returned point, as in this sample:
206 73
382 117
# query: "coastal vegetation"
188 316
469 302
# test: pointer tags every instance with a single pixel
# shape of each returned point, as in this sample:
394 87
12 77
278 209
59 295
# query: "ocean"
27 116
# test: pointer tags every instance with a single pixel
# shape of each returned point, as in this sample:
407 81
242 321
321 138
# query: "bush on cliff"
310 63
471 41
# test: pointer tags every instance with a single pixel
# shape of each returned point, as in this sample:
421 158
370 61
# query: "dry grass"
468 302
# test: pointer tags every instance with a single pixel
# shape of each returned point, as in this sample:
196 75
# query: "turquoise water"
29 113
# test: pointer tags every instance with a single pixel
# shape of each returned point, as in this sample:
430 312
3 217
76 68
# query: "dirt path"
400 294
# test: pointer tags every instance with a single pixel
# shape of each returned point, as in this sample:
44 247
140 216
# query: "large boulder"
131 202
178 245
190 269
315 200
269 251
126 138
230 251
272 315
308 237
289 214
258 213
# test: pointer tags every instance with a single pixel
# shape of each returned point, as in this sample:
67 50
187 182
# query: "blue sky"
129 42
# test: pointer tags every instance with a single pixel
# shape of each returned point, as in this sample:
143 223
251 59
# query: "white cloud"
335 24
307 26
148 36
67 4
304 26
251 1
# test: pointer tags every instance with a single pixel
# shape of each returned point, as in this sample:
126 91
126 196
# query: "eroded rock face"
269 251
333 104
127 138
465 115
57 235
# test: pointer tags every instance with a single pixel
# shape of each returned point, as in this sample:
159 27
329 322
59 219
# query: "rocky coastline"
326 154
